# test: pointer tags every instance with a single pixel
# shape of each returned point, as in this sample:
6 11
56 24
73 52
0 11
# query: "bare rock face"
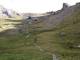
65 5
78 4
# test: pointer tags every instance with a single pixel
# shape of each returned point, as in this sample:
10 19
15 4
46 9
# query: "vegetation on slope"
64 39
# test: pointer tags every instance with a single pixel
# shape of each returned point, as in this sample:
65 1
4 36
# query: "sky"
35 6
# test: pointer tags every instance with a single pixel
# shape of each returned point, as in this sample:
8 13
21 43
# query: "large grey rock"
65 5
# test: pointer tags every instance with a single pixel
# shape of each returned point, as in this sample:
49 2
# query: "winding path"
53 55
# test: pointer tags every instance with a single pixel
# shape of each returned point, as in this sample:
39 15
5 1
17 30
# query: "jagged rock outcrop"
65 6
78 4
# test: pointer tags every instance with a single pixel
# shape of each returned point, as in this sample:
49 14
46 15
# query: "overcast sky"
35 6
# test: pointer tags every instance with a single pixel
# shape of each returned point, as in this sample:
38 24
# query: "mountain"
7 13
50 21
54 36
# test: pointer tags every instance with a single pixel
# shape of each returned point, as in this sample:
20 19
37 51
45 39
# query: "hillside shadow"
20 26
17 24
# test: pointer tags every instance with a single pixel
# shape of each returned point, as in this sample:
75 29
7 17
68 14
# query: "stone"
65 5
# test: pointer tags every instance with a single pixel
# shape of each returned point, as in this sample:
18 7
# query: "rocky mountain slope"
48 20
53 36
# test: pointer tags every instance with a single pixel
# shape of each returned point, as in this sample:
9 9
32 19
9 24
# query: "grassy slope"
19 47
9 23
63 39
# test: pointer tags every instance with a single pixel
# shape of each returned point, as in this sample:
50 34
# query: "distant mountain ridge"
4 12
